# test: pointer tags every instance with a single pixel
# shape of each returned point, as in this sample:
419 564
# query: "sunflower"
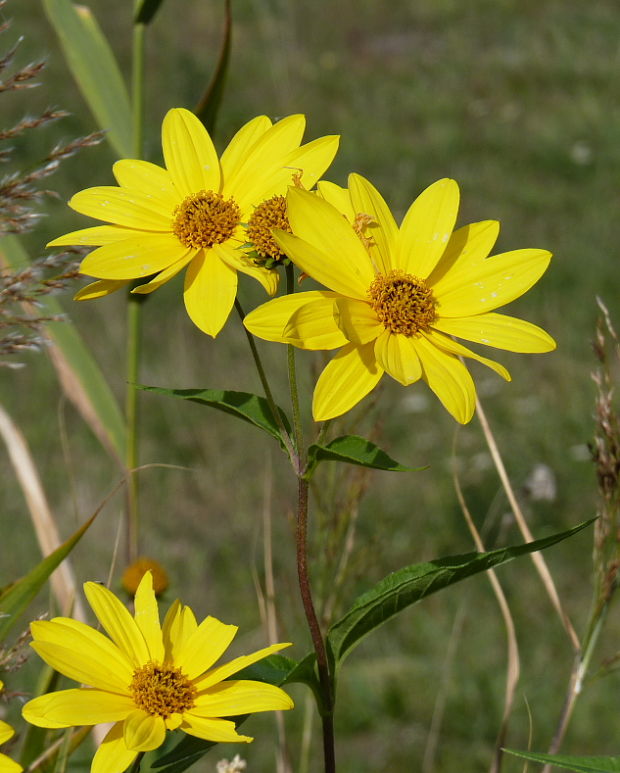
196 212
398 294
146 678
7 765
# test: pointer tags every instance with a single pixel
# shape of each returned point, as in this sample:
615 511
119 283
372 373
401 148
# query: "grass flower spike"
196 212
7 765
398 295
146 678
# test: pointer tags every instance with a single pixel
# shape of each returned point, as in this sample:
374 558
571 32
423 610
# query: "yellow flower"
398 295
147 678
7 765
196 212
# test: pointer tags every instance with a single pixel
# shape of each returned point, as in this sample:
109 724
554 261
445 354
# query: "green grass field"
517 102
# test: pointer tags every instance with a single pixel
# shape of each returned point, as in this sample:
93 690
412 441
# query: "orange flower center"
205 218
270 214
162 690
403 303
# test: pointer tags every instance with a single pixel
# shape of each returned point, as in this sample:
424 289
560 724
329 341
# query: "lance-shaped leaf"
411 584
209 104
570 762
15 598
95 70
244 405
353 449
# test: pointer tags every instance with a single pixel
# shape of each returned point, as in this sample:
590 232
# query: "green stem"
136 763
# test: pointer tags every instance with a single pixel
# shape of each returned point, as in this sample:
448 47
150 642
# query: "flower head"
7 765
398 294
146 678
196 212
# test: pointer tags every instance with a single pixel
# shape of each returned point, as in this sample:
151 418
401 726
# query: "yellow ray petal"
112 667
80 666
453 347
206 645
338 258
218 730
118 623
238 260
113 756
426 228
147 178
189 153
99 289
120 206
143 732
219 673
346 380
338 197
210 290
467 248
135 257
146 616
7 765
240 146
6 731
500 331
313 326
367 200
449 379
95 236
397 355
179 625
77 707
165 276
496 281
313 158
356 320
270 320
229 699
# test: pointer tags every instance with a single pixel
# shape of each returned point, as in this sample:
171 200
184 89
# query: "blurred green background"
519 103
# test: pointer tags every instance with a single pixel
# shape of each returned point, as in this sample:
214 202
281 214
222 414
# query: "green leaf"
209 104
15 598
570 762
95 70
77 369
353 449
248 407
145 11
411 584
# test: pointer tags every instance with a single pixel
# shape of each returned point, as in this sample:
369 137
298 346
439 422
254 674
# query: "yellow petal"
338 197
129 208
206 645
143 732
164 276
219 673
467 248
147 178
218 730
6 731
173 722
229 699
449 379
240 146
397 355
367 200
500 331
7 765
270 320
453 347
113 756
426 228
113 668
118 623
337 257
189 153
99 289
146 616
135 257
92 237
496 281
210 290
238 260
68 708
346 380
313 326
179 625
357 321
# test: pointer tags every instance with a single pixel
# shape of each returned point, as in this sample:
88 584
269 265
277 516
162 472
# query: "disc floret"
205 218
403 303
162 690
268 215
